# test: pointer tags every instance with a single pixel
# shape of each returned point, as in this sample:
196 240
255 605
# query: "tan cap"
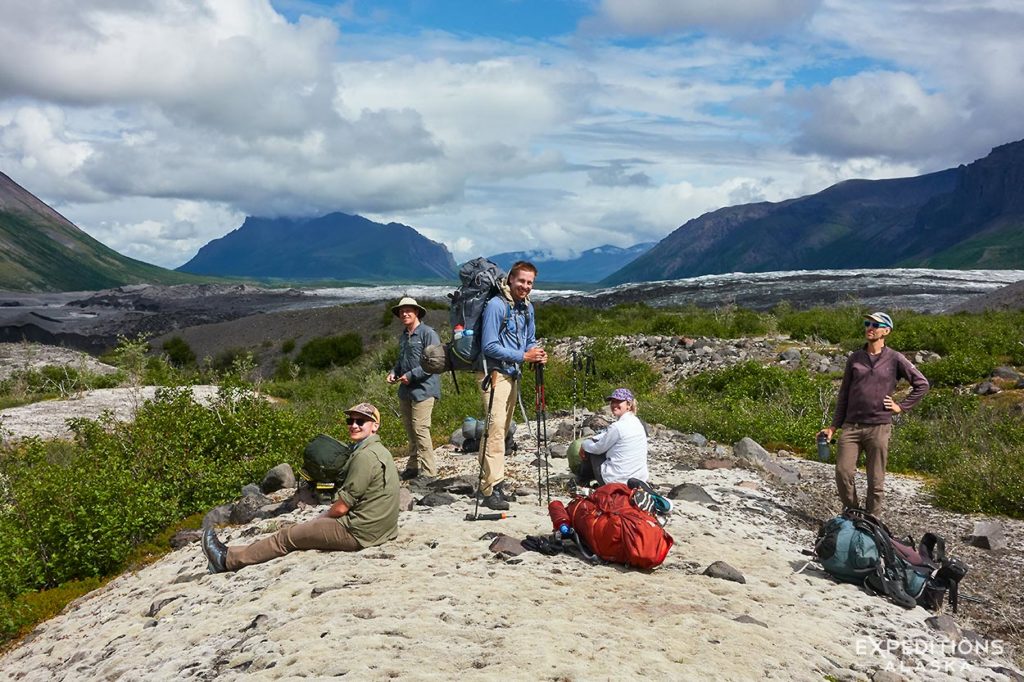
364 410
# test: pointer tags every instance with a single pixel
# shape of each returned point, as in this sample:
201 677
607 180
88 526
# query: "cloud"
660 17
616 174
873 114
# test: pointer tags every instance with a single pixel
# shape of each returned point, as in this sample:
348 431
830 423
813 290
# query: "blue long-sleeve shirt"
507 332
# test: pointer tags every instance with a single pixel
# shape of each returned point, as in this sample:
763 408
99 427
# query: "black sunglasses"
356 420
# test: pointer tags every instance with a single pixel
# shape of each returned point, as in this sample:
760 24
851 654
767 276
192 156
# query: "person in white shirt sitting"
620 452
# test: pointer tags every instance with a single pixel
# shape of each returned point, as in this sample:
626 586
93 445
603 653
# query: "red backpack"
616 530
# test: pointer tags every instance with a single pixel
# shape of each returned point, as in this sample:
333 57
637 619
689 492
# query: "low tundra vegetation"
74 512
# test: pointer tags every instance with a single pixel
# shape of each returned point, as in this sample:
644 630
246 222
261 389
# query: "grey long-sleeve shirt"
868 379
410 349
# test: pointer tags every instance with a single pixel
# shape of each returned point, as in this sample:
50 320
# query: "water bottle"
464 343
824 451
559 518
457 332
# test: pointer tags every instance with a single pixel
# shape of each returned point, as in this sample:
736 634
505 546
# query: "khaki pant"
873 440
492 451
416 420
320 533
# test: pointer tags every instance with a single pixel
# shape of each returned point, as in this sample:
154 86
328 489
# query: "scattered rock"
251 490
751 451
159 604
987 535
1004 372
456 485
887 676
406 502
559 450
277 478
748 619
749 485
784 473
218 516
436 500
987 388
945 624
185 537
690 492
503 544
790 355
724 571
248 508
717 464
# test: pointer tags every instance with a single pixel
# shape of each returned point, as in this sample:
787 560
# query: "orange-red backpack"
616 530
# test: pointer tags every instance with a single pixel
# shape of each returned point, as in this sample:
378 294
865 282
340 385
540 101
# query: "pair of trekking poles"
582 363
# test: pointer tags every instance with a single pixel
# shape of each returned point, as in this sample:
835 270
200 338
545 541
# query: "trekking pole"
490 378
577 364
540 405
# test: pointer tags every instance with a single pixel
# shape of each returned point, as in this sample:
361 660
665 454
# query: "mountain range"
41 250
962 218
592 265
336 246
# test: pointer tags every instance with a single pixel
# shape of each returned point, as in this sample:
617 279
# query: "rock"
406 502
456 485
750 451
1004 372
248 508
251 490
945 624
436 500
690 492
696 439
790 355
724 571
564 431
987 535
717 464
887 676
786 474
277 478
749 485
185 537
987 388
156 606
748 619
218 516
503 544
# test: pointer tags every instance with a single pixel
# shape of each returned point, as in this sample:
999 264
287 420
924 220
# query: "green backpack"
324 463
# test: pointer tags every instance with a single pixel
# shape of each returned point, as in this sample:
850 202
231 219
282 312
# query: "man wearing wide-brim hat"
865 409
417 390
364 512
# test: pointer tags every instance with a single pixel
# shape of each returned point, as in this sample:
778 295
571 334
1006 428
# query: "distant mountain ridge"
335 246
966 217
592 265
41 250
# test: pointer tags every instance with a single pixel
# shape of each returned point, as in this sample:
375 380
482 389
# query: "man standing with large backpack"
508 339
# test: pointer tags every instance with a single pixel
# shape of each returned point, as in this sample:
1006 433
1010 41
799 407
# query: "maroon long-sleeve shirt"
868 379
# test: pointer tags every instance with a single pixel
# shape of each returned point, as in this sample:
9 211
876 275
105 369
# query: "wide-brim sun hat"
421 312
880 318
364 410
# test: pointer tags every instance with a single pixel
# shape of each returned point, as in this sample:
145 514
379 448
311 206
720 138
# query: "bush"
179 353
330 351
958 369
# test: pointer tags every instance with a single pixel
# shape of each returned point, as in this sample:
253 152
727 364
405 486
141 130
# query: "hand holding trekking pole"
536 354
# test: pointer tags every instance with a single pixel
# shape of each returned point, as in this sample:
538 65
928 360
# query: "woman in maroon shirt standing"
864 411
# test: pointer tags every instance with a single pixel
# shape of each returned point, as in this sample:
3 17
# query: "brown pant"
416 420
320 533
492 458
873 440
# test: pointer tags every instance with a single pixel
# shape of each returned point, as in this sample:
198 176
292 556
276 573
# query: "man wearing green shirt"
364 512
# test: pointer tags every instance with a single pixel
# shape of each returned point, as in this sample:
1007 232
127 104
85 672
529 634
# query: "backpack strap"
890 572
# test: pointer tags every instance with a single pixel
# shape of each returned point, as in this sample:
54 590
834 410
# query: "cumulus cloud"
616 174
873 114
658 17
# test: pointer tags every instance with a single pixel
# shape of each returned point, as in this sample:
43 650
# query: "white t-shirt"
624 445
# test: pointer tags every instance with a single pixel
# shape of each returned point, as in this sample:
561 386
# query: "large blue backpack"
855 547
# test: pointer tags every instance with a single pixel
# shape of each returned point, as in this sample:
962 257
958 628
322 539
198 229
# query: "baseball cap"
621 394
880 318
364 410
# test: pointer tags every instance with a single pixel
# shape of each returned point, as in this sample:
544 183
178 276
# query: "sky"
490 126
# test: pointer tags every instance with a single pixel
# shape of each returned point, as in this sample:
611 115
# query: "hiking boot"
504 492
494 501
409 474
215 551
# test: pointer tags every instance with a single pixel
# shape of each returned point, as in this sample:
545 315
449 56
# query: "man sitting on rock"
364 512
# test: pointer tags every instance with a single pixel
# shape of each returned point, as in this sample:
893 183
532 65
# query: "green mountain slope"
40 250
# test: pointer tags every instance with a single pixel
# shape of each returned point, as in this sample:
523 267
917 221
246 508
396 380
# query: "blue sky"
158 125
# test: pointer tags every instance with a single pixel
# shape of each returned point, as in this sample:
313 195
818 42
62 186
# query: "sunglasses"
874 325
355 420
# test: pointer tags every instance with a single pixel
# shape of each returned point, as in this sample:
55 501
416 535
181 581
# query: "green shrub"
958 369
330 351
287 346
179 352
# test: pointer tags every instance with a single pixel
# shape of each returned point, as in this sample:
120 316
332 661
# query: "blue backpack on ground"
855 547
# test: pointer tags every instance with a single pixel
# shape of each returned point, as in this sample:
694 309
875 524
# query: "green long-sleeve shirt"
370 490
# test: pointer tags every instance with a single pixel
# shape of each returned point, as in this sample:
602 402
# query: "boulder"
988 535
751 451
436 500
690 492
277 478
724 571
